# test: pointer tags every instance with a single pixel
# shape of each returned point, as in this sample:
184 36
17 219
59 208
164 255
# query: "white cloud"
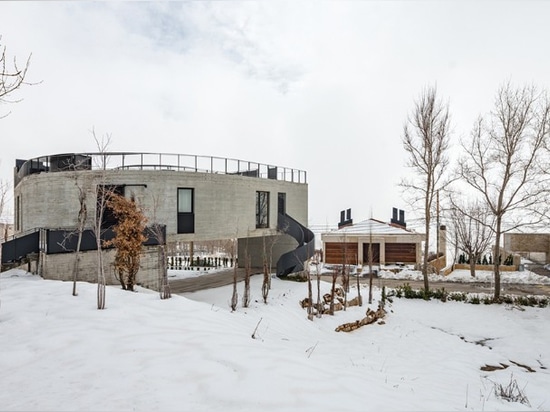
321 86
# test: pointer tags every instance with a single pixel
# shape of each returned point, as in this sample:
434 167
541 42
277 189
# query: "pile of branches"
325 307
371 317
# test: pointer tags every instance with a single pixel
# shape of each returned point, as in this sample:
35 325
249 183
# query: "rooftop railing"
155 161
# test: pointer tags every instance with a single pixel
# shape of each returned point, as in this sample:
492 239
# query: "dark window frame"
262 209
186 220
108 217
281 203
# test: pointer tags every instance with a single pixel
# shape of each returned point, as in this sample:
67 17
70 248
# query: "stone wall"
533 246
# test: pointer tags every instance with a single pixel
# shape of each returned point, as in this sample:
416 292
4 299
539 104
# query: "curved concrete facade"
224 204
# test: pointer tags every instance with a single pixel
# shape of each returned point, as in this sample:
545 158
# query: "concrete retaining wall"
61 267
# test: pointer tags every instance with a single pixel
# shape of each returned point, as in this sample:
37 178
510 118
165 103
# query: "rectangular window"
281 203
186 213
17 214
262 209
103 192
185 200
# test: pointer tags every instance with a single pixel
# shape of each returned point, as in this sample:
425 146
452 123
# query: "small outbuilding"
390 243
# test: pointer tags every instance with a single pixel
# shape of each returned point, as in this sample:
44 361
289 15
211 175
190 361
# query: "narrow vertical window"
281 203
17 214
262 209
186 212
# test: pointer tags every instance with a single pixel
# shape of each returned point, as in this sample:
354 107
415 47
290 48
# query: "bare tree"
159 233
309 291
102 193
473 224
370 257
247 273
335 273
82 217
267 274
4 192
426 141
317 263
234 295
503 159
12 76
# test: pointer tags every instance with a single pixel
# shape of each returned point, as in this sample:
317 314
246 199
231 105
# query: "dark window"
17 214
281 203
109 219
186 212
262 209
375 253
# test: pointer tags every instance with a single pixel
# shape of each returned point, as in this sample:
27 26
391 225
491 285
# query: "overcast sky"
322 86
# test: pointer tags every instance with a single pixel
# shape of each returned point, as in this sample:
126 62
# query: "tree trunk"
234 296
164 286
309 295
332 290
425 260
100 280
82 215
496 259
319 304
472 266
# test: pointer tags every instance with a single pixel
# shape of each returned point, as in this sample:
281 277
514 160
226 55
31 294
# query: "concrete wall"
275 246
533 246
224 204
61 267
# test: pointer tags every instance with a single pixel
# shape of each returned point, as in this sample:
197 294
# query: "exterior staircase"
293 261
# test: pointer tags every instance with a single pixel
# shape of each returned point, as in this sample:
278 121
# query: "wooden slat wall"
334 253
400 252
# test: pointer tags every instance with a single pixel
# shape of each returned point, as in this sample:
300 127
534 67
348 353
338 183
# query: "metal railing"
155 161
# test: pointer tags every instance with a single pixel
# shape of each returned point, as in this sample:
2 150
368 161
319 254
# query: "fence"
53 241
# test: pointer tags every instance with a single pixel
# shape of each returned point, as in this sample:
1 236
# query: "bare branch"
426 141
505 159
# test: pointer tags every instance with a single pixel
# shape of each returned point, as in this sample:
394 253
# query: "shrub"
507 299
474 300
543 302
458 296
440 294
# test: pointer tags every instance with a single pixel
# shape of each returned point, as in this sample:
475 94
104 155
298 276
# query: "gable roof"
369 226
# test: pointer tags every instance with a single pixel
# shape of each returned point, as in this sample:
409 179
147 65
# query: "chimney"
398 221
345 218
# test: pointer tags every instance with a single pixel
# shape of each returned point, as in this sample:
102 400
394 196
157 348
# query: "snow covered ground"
191 353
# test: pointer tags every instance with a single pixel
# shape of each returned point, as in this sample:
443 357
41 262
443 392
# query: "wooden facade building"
390 244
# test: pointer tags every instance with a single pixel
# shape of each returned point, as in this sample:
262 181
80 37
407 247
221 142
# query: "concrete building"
197 198
390 243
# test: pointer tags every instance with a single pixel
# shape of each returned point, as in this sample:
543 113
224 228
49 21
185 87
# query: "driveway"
225 277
